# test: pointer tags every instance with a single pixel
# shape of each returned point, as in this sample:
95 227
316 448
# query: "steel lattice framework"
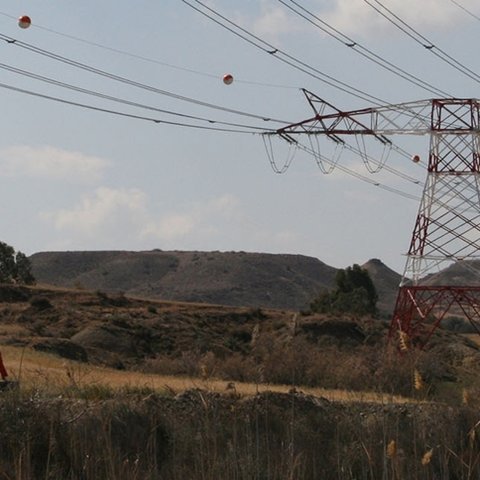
446 235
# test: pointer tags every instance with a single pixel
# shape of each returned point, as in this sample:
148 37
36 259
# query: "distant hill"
225 278
457 274
386 282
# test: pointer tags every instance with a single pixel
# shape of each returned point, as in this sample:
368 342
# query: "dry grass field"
46 372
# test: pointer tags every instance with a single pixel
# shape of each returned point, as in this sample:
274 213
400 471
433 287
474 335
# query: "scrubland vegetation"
97 432
71 420
177 391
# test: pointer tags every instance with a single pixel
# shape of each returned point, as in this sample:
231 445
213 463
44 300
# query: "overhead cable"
240 127
281 55
118 113
395 20
466 10
118 78
144 58
103 96
360 49
365 179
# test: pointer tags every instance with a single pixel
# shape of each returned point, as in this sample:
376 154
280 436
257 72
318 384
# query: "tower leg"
420 309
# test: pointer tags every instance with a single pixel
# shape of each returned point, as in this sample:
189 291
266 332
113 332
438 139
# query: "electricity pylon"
442 272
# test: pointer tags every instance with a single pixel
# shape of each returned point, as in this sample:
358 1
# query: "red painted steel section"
419 310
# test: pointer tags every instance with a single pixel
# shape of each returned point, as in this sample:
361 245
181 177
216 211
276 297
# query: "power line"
139 105
149 59
83 66
118 113
333 163
117 99
465 10
183 124
118 78
281 55
365 179
315 152
360 49
273 50
395 20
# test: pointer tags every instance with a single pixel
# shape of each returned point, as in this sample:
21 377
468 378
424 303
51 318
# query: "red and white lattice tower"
446 236
442 272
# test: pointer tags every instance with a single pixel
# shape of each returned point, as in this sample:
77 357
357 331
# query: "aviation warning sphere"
227 79
416 158
24 21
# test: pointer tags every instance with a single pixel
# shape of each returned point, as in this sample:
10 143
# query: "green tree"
354 293
15 267
8 267
24 269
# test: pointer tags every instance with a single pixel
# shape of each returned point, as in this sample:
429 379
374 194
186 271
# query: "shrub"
40 303
354 293
15 267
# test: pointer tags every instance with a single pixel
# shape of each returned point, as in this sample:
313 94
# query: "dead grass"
474 337
12 329
42 370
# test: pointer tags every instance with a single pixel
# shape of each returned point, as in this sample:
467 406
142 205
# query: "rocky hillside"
225 278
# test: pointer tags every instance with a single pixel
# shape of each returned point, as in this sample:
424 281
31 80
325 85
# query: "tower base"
419 310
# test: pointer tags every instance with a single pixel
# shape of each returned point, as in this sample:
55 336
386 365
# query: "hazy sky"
80 179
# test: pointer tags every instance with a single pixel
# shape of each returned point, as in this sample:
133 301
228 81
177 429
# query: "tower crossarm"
411 118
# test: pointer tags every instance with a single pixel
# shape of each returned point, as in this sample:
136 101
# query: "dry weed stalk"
293 325
404 341
472 433
255 334
392 449
171 391
78 375
261 374
204 372
427 457
472 436
418 382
